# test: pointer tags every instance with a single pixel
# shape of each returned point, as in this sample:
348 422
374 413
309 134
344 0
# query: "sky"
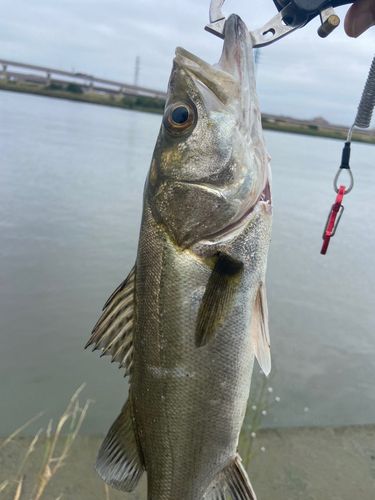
301 75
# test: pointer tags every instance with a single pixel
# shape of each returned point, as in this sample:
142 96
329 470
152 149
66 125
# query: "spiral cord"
367 103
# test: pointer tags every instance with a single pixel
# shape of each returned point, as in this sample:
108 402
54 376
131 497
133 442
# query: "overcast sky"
301 75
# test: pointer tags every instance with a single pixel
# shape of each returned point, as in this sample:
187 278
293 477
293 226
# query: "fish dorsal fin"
234 479
260 333
113 332
119 462
218 298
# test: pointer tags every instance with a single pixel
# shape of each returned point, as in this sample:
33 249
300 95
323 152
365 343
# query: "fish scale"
197 289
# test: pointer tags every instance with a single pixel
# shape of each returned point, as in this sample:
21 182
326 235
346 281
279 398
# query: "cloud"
300 75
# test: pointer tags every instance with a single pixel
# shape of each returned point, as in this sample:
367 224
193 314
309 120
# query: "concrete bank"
331 463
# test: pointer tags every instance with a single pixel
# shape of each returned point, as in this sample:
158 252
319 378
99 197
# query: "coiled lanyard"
362 120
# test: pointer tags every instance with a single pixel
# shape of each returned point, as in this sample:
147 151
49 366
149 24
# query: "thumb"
359 17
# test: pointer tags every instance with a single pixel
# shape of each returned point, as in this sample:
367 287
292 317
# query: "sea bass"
191 316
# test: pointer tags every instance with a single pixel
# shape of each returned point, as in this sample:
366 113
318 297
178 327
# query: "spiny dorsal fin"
233 478
261 336
218 298
113 332
119 462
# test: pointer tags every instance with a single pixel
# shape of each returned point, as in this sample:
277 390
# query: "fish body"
192 315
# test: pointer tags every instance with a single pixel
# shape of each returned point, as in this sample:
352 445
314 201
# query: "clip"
330 227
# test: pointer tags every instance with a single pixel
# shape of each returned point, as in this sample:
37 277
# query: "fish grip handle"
345 157
367 102
362 120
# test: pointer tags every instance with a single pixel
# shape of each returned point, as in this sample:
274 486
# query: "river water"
71 181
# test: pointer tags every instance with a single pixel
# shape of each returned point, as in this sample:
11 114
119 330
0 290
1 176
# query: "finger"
359 17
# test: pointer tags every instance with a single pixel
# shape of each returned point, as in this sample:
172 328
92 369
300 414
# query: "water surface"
71 182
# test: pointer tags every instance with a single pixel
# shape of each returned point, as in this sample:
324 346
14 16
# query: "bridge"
89 83
46 76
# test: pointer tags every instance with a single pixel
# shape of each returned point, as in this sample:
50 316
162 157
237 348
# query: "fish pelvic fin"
218 298
113 332
260 332
119 462
235 480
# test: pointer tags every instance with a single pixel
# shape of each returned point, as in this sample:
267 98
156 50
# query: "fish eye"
180 115
178 118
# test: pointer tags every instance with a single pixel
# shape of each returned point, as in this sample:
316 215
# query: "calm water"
71 181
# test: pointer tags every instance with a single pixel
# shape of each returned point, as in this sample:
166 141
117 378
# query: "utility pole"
136 71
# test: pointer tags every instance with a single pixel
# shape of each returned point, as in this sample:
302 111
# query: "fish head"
210 164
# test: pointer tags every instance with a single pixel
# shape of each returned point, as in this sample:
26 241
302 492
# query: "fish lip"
221 83
192 58
234 28
232 229
226 78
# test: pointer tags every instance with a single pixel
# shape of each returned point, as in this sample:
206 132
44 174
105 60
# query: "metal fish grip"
362 120
367 103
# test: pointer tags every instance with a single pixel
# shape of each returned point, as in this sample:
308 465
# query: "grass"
317 131
57 440
58 445
74 93
140 103
71 420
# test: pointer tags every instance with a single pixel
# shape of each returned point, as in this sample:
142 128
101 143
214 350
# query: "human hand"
359 17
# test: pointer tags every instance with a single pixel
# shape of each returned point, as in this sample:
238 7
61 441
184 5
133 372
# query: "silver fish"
192 314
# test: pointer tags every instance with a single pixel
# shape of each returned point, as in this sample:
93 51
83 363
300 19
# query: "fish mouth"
221 83
216 206
231 73
231 230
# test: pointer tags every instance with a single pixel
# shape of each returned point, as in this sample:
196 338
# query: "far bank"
146 104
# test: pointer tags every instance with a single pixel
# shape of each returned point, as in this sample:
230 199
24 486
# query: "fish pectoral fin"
113 332
260 332
234 479
218 298
119 462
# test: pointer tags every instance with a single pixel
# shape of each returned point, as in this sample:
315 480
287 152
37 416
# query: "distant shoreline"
149 105
135 103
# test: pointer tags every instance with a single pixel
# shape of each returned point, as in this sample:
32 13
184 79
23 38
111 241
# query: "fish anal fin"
260 332
235 480
218 298
119 462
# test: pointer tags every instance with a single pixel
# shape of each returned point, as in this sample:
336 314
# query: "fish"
190 318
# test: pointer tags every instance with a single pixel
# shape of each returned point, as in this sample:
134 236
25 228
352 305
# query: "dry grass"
261 399
71 419
106 491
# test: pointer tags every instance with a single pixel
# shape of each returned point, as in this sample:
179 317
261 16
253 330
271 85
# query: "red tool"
330 227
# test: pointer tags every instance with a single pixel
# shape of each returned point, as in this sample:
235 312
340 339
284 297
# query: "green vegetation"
74 92
143 102
54 86
75 88
146 104
314 130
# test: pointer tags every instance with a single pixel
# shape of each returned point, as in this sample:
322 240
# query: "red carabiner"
330 227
